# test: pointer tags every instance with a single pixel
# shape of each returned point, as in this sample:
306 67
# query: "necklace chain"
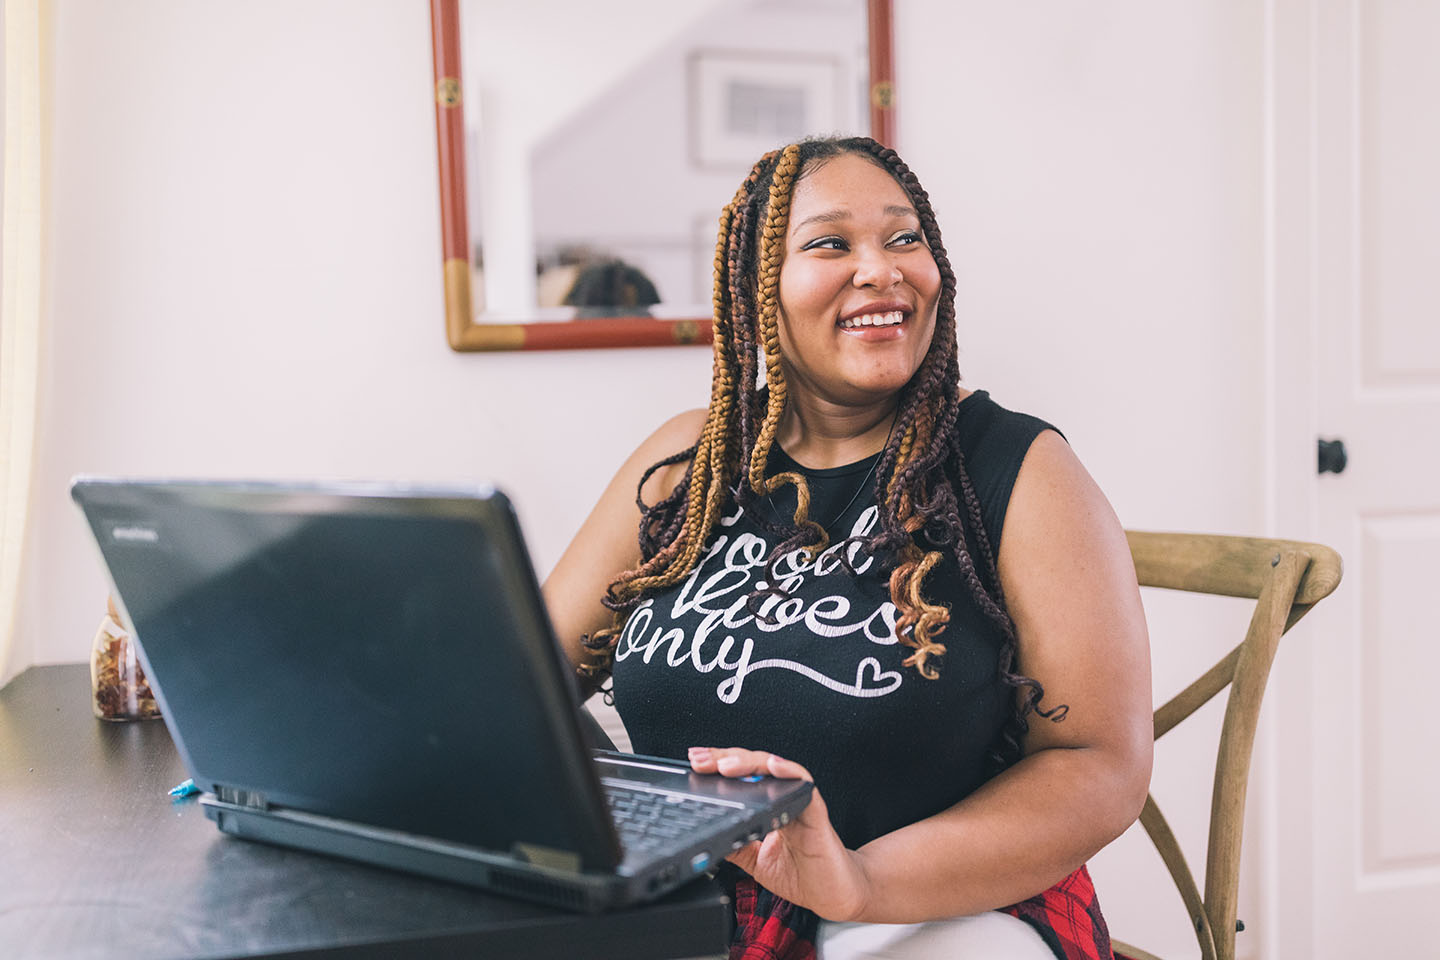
854 496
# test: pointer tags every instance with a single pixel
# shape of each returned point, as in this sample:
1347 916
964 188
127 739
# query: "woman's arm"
1071 591
607 543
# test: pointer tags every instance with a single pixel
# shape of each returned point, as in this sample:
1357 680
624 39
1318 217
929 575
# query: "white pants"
985 936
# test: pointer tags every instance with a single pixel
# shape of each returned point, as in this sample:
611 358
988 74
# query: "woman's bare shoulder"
684 429
676 435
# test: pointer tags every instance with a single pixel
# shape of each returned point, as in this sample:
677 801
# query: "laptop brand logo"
135 534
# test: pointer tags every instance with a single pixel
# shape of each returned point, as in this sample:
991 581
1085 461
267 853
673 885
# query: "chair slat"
1124 951
1169 849
1224 565
1196 695
1237 741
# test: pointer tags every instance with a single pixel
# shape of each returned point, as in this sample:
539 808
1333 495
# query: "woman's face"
858 285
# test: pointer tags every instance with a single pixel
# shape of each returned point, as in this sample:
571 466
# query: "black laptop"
368 671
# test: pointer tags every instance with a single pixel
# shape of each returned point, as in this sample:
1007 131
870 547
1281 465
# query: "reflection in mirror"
601 141
632 129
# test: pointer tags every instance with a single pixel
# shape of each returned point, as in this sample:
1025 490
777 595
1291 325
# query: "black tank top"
822 682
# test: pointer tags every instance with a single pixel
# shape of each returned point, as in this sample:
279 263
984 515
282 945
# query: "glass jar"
117 681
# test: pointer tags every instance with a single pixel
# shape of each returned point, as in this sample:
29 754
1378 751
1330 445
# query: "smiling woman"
851 570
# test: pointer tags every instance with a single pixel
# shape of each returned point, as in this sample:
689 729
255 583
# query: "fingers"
788 769
746 857
738 762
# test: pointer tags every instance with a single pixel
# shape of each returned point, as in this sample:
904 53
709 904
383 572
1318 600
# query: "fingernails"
699 754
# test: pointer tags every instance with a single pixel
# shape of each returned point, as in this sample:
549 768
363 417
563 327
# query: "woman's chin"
872 386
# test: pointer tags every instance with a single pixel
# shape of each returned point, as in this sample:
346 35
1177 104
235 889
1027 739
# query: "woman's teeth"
892 319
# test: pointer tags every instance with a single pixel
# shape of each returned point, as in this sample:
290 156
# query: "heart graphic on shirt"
878 682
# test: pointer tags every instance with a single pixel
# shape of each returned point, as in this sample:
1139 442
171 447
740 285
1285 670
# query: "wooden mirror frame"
464 334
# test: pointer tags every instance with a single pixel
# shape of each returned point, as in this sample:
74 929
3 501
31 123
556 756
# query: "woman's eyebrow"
835 216
829 216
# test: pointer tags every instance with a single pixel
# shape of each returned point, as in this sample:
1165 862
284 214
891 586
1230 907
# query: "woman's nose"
876 268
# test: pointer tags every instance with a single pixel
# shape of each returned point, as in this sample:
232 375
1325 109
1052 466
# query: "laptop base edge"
410 853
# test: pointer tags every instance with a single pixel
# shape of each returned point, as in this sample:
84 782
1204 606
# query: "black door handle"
1332 456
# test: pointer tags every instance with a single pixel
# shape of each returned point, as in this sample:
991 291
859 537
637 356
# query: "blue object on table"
186 789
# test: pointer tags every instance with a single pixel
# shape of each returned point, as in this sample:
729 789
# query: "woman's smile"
879 321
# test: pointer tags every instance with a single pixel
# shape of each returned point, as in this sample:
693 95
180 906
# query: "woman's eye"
825 243
908 237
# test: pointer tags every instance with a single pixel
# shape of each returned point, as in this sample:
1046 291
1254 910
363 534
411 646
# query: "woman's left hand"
804 861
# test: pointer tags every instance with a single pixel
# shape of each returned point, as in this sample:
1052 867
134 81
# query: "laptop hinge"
250 799
542 856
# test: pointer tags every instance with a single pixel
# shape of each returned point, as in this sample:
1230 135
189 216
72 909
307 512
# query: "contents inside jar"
117 679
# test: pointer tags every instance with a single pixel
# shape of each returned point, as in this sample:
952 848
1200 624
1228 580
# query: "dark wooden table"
97 861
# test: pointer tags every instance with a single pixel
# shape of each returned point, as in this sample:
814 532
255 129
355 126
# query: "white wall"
245 280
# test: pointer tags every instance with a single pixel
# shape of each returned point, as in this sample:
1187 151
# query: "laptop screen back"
376 657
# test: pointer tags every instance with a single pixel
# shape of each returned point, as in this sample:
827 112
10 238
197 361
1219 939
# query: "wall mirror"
585 151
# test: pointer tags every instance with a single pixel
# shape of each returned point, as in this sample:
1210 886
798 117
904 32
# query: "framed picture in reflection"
745 103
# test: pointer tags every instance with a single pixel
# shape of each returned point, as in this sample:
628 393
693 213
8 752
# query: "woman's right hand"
804 861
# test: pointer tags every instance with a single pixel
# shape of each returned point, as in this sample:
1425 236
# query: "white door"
1357 866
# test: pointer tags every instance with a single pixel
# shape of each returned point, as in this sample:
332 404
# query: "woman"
820 588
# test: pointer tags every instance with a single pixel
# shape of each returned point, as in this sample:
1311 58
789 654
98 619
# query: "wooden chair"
1286 578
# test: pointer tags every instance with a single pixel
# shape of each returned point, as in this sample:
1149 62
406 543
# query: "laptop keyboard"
650 819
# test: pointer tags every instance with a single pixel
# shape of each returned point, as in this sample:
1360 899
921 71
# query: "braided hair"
918 502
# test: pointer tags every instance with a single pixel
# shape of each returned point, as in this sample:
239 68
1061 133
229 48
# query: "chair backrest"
1285 578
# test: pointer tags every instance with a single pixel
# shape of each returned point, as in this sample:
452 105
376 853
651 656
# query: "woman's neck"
820 435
